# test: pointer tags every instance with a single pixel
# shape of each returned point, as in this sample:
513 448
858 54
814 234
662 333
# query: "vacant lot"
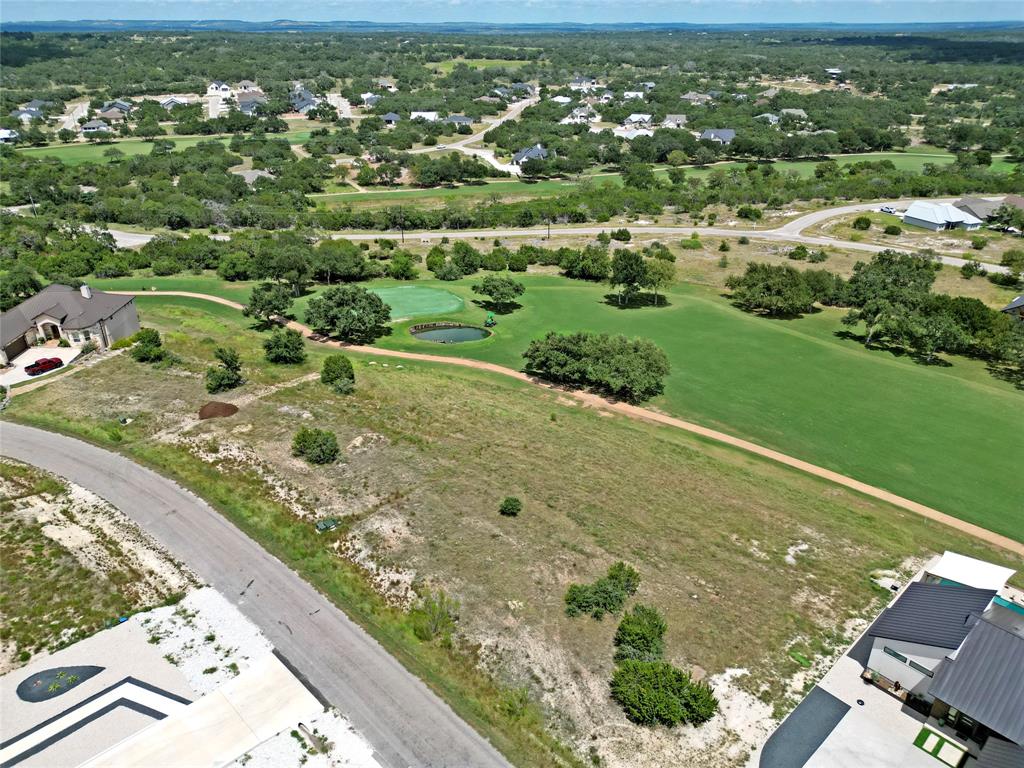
429 452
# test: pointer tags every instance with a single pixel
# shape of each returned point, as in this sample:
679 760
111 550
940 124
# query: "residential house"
391 118
252 174
459 120
834 72
629 133
40 104
584 84
94 127
250 102
8 136
218 88
648 85
302 100
952 647
503 92
171 102
1015 308
581 116
697 99
536 152
604 97
561 99
119 104
631 95
796 114
430 117
718 135
978 207
939 216
1015 201
740 97
247 86
78 315
524 89
960 86
674 121
637 120
772 119
769 93
369 99
387 85
112 115
26 116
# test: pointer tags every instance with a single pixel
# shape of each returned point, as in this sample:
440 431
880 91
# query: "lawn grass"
707 526
446 66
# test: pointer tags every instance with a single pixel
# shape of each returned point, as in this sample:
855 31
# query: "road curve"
407 724
644 414
790 232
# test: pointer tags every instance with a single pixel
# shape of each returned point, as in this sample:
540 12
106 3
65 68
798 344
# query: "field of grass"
445 67
707 527
797 386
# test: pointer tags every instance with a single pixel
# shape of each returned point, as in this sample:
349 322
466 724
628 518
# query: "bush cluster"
337 373
606 595
317 446
655 692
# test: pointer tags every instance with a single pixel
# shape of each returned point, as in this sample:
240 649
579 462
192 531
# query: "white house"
173 101
219 88
674 121
718 135
583 84
630 133
95 127
245 86
581 116
637 120
631 95
8 136
561 99
430 117
939 216
78 315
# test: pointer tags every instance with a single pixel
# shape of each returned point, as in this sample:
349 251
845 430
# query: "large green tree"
349 312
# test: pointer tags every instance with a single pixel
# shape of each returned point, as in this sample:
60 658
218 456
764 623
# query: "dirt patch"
217 410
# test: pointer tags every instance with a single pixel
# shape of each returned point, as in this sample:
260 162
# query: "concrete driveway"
16 374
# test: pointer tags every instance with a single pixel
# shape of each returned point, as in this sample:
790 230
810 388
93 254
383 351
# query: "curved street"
407 724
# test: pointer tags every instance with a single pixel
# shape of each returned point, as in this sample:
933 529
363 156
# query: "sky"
531 11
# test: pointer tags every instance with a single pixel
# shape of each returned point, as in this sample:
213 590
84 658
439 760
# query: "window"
87 335
920 668
74 337
895 654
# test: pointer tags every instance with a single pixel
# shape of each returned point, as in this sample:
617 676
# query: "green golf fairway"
417 300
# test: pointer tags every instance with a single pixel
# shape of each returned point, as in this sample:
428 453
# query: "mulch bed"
216 410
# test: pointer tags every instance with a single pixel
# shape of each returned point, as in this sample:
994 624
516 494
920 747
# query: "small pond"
448 333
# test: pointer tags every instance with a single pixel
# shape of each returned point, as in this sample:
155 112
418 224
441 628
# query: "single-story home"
978 207
26 116
391 118
40 104
833 72
561 99
430 117
579 83
637 120
78 315
939 216
173 101
718 135
606 97
458 120
112 115
648 85
247 85
250 102
252 174
218 88
629 133
674 121
386 84
8 136
1015 308
369 98
503 92
631 95
303 101
119 104
95 126
697 99
581 116
536 152
771 118
797 114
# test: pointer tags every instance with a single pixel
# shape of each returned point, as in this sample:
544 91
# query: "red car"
43 365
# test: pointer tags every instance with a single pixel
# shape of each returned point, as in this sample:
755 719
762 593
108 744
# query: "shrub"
317 446
63 342
693 244
818 256
228 374
893 229
655 692
448 271
971 269
749 212
723 261
166 266
724 246
606 595
978 242
604 238
641 635
862 223
285 345
744 240
622 235
337 373
148 346
510 506
799 253
435 616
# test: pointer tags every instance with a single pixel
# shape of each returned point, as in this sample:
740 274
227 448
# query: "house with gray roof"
94 127
718 135
1015 308
978 207
79 315
250 102
536 152
697 99
458 120
796 114
769 117
302 100
26 116
674 121
391 118
8 136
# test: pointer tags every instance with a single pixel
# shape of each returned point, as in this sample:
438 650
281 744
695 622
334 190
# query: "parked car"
887 209
43 365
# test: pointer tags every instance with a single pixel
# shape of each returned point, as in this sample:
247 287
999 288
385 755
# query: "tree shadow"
1011 374
498 307
637 301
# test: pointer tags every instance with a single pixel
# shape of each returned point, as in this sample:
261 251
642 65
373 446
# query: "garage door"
15 348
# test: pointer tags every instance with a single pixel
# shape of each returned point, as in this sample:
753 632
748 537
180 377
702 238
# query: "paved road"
790 232
407 724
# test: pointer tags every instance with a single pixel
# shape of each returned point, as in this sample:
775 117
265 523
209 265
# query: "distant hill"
288 25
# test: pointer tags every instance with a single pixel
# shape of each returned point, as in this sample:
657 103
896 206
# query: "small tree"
862 223
435 616
502 290
268 300
655 692
285 345
641 635
148 346
893 229
228 374
337 374
317 446
350 312
510 507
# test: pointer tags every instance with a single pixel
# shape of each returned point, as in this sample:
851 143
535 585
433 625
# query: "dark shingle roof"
63 303
986 679
1017 302
932 614
536 152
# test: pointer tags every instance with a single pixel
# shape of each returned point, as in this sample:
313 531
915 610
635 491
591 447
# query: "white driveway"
16 374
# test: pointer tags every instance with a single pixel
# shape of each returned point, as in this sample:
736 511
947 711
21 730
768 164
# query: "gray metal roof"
999 753
932 614
1017 302
986 679
63 303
